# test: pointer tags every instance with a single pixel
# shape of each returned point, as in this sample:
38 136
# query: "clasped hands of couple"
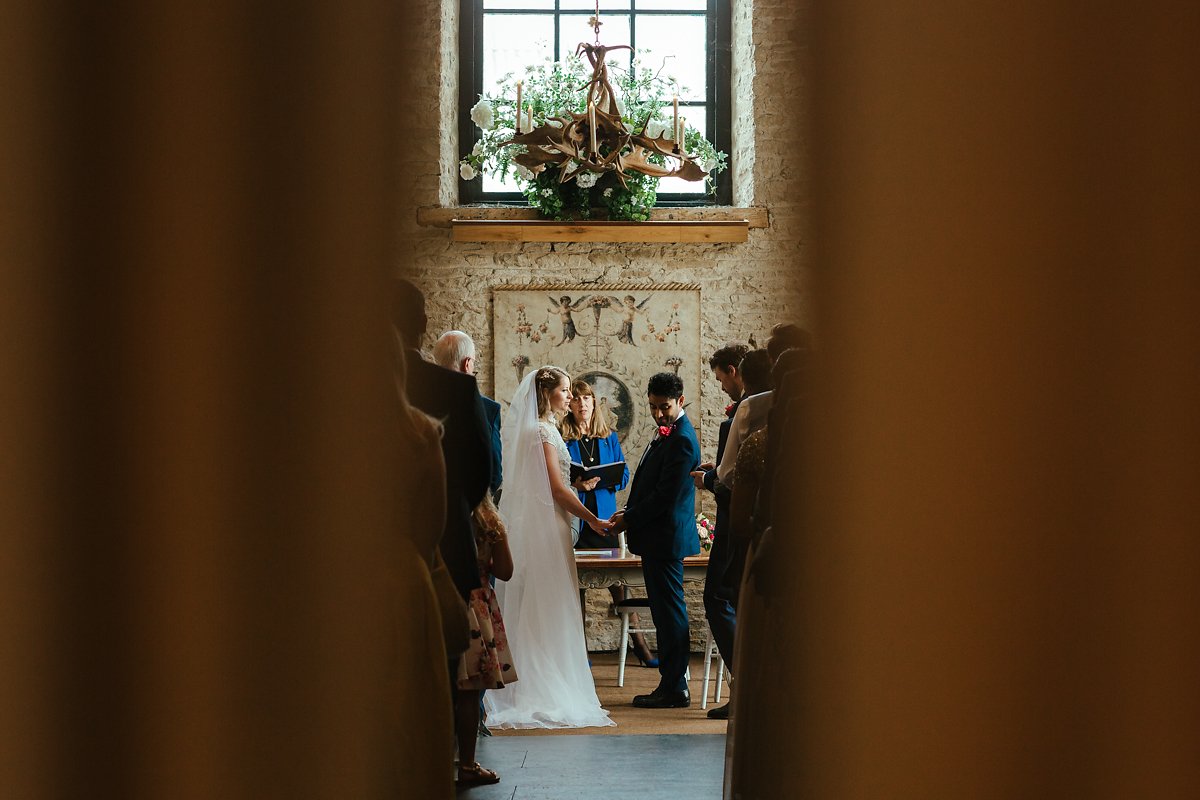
608 527
613 525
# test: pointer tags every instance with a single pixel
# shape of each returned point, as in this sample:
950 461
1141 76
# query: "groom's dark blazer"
660 514
453 397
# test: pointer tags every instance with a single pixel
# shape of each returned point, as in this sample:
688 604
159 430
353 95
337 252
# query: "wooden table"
599 569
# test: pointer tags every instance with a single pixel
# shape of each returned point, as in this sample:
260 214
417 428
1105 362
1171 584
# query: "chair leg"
624 647
720 677
708 645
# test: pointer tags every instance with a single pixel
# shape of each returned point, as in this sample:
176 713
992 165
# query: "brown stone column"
994 573
198 515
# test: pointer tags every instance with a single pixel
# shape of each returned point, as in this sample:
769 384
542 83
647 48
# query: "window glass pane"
672 5
491 184
573 29
672 44
695 118
678 44
513 41
540 5
590 5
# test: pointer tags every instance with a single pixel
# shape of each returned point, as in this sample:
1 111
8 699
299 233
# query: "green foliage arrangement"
557 87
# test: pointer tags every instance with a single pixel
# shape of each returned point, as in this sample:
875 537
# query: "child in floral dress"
486 663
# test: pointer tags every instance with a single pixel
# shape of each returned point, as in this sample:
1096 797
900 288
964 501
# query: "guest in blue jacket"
591 440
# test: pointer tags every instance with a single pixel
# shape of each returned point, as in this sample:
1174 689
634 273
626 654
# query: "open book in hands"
610 474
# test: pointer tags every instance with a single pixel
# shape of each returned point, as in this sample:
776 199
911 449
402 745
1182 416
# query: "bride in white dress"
540 604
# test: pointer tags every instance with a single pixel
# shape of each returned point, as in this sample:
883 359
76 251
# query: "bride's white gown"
540 605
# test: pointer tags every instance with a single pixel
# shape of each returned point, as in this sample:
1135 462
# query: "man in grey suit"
456 350
466 445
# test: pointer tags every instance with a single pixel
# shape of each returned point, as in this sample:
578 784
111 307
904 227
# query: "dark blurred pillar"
995 574
197 497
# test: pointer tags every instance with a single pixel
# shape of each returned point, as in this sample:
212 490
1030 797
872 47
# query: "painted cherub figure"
563 307
630 308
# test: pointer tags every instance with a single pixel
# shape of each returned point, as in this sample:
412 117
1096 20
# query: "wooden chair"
630 605
710 650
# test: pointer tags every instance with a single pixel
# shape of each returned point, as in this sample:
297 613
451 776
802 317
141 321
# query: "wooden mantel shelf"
522 224
541 230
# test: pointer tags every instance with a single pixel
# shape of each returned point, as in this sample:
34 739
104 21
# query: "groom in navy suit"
660 518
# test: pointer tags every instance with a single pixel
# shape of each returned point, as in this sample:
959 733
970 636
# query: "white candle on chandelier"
675 119
679 134
592 127
518 123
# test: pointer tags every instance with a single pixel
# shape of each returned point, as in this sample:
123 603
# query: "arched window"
689 39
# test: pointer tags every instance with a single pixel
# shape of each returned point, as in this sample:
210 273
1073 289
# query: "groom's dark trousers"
661 528
664 590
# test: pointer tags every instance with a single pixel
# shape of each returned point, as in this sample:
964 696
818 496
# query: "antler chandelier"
597 140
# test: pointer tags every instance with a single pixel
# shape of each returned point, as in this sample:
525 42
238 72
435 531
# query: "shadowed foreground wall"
198 485
994 575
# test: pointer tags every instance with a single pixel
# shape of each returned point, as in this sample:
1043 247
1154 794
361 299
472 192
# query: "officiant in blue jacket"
591 441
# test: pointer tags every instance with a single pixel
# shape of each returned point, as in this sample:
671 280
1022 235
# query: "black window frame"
718 99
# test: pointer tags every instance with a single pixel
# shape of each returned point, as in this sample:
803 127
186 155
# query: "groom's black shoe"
660 699
719 712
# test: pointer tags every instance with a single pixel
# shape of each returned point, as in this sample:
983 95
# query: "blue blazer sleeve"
492 410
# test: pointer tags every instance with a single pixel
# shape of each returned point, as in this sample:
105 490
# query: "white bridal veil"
540 604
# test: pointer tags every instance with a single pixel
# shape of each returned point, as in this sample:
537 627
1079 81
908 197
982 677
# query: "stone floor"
630 720
645 767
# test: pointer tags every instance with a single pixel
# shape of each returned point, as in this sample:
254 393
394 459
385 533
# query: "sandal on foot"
475 775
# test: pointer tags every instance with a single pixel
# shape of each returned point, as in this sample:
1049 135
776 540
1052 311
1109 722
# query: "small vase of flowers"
704 530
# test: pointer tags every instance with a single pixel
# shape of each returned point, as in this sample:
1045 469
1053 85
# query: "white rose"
477 149
709 164
587 180
608 192
467 171
655 128
571 167
524 172
483 116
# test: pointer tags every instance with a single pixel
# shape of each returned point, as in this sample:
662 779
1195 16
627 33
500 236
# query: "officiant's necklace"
589 453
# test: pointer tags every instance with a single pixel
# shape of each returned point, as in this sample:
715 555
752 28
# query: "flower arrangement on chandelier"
566 176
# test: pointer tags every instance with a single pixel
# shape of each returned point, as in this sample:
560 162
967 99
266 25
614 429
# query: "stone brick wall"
745 288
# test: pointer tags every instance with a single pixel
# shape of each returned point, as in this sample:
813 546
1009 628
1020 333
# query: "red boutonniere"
665 430
729 409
